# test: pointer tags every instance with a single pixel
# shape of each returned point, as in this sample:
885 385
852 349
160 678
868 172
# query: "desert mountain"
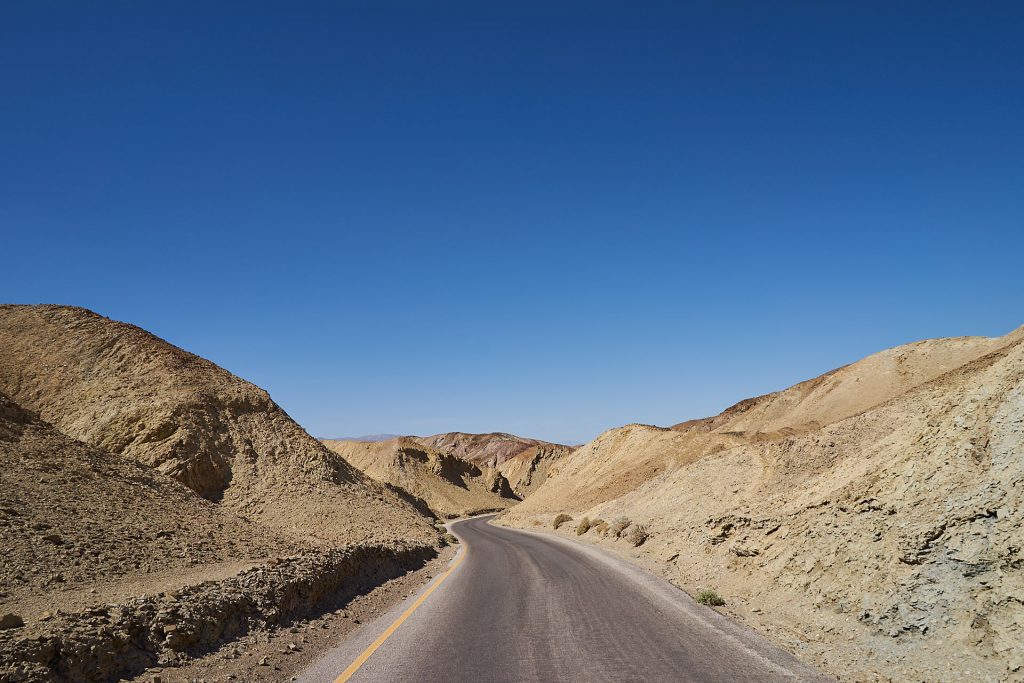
456 474
880 506
449 486
123 390
486 450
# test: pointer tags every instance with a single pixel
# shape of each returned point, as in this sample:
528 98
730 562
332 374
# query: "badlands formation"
871 520
456 474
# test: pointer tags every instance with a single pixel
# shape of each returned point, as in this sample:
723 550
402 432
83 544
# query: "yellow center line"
361 659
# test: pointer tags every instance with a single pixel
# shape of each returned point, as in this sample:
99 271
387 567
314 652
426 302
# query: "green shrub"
583 527
618 526
636 535
561 519
710 598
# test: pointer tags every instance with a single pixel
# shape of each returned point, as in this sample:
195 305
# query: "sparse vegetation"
561 519
600 526
618 526
710 598
584 526
450 539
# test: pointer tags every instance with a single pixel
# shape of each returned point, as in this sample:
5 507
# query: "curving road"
521 606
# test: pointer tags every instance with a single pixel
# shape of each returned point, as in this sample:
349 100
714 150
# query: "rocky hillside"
871 519
485 450
121 389
456 474
524 462
449 486
72 515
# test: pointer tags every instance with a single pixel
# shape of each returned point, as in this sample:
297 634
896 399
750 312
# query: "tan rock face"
484 450
120 388
449 486
882 528
463 474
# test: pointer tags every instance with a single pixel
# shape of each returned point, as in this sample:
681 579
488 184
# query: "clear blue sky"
549 218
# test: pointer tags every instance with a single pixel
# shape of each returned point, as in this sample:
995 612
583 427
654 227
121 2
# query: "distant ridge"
368 438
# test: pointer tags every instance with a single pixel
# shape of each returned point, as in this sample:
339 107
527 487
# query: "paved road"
527 606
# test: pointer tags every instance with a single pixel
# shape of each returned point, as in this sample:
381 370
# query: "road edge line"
389 631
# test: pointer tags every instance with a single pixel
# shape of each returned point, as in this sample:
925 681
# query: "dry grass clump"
450 539
618 526
561 519
584 526
636 535
710 598
600 526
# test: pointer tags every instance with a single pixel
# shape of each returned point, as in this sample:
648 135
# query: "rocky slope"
456 474
121 389
165 506
449 486
872 519
492 449
524 462
73 515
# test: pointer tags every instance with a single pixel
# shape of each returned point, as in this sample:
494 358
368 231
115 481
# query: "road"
524 606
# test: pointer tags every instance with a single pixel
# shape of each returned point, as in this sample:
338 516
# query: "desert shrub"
583 527
600 526
618 526
450 539
636 535
561 519
710 597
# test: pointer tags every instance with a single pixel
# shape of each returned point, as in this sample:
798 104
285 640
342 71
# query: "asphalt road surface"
523 606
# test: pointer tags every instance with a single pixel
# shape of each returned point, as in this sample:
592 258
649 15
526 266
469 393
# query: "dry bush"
636 535
711 598
600 526
561 519
450 539
583 527
618 526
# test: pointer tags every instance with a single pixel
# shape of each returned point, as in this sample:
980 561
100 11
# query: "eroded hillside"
73 515
153 506
119 388
449 486
871 519
456 474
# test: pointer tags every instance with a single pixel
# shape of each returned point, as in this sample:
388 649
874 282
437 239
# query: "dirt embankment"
873 540
108 642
